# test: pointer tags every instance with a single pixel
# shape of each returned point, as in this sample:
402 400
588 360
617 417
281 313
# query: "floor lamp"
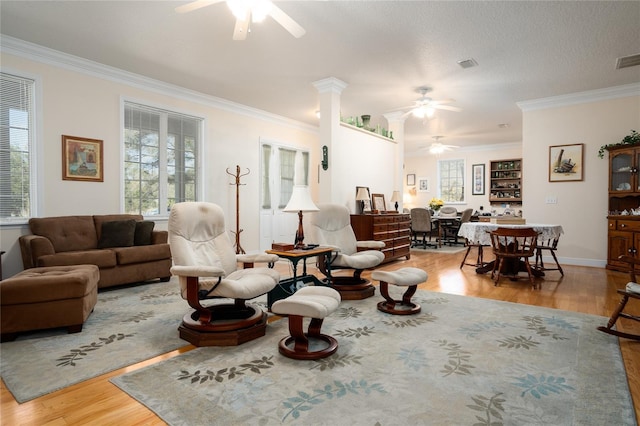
300 201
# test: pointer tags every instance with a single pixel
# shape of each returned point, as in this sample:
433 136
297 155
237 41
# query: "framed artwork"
82 159
411 180
566 163
477 174
363 206
423 184
378 202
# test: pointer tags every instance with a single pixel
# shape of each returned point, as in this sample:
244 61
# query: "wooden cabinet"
392 229
624 198
505 181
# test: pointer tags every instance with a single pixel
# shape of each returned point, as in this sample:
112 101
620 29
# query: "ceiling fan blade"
447 107
241 28
285 20
195 5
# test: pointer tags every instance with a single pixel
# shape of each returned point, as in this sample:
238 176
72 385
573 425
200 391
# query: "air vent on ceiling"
628 61
468 63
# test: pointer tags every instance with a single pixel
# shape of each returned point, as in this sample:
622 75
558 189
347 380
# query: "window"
160 159
451 180
17 137
282 168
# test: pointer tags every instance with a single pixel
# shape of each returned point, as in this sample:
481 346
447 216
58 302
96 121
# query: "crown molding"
632 89
37 53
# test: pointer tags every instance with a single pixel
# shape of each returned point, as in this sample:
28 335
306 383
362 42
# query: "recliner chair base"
352 290
229 327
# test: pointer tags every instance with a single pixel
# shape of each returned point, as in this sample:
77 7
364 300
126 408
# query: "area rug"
127 325
461 361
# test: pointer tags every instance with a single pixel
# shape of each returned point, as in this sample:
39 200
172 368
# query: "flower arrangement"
435 204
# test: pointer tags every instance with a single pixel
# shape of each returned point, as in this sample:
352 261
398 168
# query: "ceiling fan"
247 11
425 107
438 148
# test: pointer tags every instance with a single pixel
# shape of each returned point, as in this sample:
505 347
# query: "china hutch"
506 181
624 205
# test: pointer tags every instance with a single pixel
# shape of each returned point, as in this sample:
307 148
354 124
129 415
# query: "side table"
288 286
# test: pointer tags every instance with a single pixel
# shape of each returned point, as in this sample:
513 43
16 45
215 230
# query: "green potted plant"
631 139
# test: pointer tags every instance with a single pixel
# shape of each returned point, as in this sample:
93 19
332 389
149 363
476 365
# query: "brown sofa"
128 251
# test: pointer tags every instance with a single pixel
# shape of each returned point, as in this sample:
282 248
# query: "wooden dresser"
393 229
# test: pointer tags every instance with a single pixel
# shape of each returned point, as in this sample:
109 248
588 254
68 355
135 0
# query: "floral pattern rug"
461 361
127 325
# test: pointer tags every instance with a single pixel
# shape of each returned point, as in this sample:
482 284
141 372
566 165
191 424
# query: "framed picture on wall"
566 163
411 180
423 184
82 159
477 174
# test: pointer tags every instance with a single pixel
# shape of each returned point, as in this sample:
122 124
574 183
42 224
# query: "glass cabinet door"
622 171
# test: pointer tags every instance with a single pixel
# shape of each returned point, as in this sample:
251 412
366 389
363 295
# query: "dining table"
478 233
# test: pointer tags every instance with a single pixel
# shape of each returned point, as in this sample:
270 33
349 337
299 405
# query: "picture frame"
378 203
566 163
82 159
411 180
423 184
478 179
366 204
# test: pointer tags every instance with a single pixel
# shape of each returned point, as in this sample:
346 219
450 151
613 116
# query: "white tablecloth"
478 232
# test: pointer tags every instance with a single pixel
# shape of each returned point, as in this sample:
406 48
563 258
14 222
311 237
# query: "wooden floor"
583 289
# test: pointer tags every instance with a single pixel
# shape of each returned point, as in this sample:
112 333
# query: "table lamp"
361 196
395 198
300 201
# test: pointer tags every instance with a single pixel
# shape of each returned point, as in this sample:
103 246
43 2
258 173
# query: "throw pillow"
144 229
118 233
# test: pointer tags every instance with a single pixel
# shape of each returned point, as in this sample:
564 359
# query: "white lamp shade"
300 200
395 197
362 194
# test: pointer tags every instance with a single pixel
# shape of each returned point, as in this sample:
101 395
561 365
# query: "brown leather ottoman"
50 297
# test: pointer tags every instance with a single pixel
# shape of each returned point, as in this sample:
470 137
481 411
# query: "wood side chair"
510 245
630 292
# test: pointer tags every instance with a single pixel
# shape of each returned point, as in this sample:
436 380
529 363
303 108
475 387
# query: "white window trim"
37 156
201 144
439 192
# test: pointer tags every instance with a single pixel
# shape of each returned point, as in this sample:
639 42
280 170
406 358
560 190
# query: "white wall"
582 206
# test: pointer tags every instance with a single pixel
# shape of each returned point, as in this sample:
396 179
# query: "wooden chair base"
301 340
227 326
352 289
619 313
398 307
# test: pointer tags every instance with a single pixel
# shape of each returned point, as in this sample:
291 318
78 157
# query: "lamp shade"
362 194
395 197
300 200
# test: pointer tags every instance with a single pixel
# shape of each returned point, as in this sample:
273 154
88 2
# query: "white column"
396 120
329 90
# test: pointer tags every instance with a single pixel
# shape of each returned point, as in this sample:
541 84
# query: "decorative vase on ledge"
365 121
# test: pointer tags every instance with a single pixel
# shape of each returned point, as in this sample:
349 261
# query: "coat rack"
237 175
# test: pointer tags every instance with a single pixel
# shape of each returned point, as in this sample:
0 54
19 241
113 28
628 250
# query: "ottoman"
314 302
404 277
49 297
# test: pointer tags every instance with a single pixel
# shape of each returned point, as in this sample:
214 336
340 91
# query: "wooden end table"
288 286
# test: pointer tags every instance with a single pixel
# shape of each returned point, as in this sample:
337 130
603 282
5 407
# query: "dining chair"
630 292
550 245
510 246
448 223
422 225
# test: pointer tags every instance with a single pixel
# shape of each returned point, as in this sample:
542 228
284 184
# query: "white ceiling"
383 50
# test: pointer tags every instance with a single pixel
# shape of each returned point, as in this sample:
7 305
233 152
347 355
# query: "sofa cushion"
66 233
98 220
141 254
105 258
118 233
144 229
